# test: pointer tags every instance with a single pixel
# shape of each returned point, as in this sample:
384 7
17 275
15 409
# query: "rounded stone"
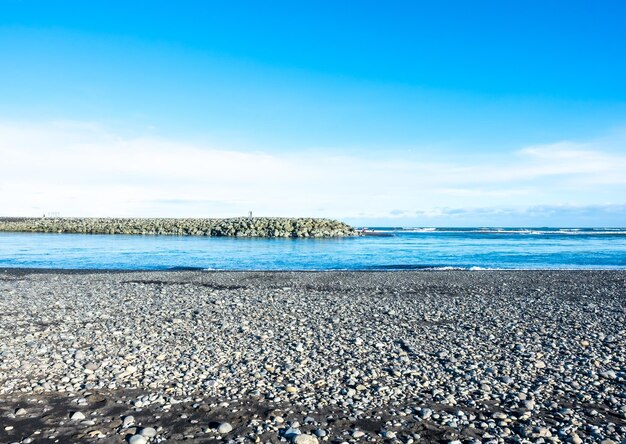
529 404
137 439
426 413
291 433
389 434
224 428
148 432
91 366
305 439
77 416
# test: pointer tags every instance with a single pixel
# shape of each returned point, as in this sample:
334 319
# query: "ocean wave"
390 267
619 232
520 231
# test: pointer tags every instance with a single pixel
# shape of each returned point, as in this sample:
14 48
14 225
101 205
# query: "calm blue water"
404 249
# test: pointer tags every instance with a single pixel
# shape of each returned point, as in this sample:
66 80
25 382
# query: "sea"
388 248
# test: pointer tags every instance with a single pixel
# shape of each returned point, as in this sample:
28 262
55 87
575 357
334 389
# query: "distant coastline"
236 227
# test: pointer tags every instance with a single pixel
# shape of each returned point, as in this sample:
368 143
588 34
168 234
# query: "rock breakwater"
242 227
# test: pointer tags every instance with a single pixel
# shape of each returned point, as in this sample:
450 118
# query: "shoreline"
334 356
471 270
26 271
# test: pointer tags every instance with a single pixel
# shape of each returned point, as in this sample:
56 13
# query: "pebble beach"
310 357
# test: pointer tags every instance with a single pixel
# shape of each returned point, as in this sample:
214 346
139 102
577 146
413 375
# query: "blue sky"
402 113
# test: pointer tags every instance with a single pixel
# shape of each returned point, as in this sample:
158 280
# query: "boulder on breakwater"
242 226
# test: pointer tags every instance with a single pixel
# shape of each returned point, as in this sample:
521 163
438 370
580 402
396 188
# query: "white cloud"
80 168
564 158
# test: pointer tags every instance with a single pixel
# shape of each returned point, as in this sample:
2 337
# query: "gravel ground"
304 357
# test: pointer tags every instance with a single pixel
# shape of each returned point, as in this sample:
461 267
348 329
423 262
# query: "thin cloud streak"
536 216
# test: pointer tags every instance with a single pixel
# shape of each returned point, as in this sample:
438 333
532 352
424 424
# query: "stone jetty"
241 227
